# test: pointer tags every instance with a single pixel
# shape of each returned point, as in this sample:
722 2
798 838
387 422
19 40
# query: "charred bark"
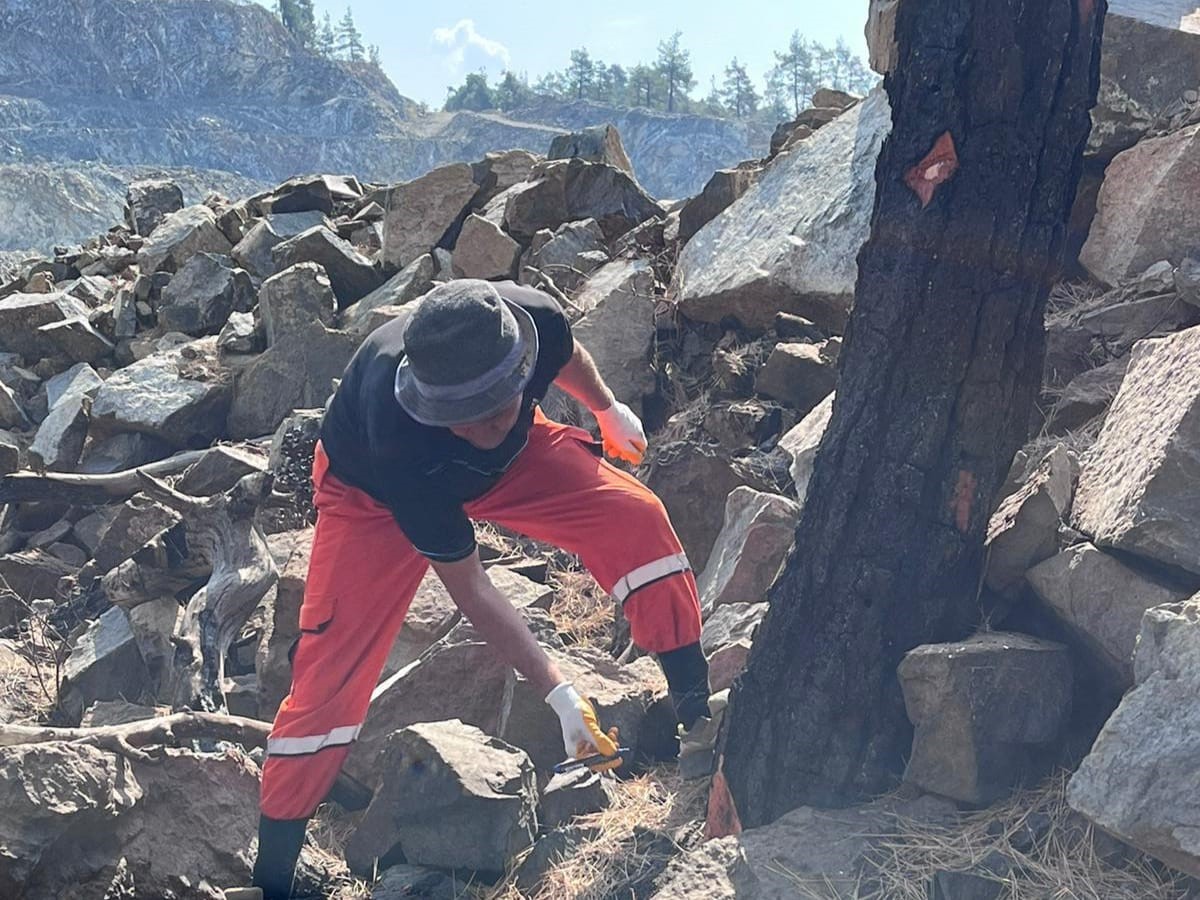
942 361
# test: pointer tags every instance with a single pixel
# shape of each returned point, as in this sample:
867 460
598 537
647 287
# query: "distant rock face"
254 103
791 242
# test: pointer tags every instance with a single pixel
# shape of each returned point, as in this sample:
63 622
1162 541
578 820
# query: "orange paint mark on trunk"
964 499
936 168
722 818
1086 8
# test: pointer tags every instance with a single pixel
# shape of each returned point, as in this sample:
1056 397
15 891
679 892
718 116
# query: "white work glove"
581 731
622 434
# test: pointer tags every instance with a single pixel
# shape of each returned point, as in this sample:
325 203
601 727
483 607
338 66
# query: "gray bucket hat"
467 353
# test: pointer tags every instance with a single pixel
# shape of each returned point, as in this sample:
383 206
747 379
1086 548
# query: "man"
435 423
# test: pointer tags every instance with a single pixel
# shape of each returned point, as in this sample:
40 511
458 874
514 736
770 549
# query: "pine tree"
618 84
326 41
298 18
473 94
795 67
349 40
777 96
738 91
374 57
675 66
511 92
643 84
579 73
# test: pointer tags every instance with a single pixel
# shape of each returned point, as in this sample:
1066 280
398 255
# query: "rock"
313 193
1087 396
750 550
1024 529
253 251
104 456
414 281
1101 601
153 624
484 251
179 395
293 447
801 444
791 241
405 882
240 335
1130 784
351 275
500 170
452 797
1144 211
549 851
220 469
203 294
137 521
598 144
119 712
798 375
1135 491
730 623
726 186
59 441
727 662
76 339
570 254
12 413
294 299
179 237
33 574
420 212
10 453
1187 280
272 664
577 793
295 373
22 315
47 536
148 202
89 530
743 424
69 554
980 730
104 664
1145 69
49 792
618 327
570 190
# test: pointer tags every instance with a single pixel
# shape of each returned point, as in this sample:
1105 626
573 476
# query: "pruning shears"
595 759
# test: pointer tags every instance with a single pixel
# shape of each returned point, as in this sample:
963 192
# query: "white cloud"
463 36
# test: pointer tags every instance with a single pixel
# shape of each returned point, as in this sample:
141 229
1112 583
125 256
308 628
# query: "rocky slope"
219 85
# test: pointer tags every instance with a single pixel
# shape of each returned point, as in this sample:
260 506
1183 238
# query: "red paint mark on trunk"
936 168
722 819
964 499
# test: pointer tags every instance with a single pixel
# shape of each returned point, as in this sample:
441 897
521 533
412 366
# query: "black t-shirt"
422 473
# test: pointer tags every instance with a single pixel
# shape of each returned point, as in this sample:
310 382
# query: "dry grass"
1069 298
1064 860
328 832
582 611
658 802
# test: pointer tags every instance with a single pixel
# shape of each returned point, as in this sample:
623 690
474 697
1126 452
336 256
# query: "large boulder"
791 241
1101 602
59 441
802 441
618 327
569 190
726 186
21 318
1145 70
570 254
77 340
1145 212
1138 782
295 298
750 550
987 713
104 664
1137 489
420 212
351 275
798 375
203 294
483 250
598 144
253 251
295 373
450 797
180 395
313 193
179 237
1024 530
412 282
149 201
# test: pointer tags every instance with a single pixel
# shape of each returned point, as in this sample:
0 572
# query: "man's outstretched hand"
582 735
622 433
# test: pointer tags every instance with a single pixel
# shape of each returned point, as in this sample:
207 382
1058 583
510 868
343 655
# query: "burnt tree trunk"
942 361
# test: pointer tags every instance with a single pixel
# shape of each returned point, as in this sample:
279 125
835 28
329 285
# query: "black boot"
686 670
279 843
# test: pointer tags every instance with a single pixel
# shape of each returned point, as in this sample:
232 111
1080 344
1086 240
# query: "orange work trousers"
364 572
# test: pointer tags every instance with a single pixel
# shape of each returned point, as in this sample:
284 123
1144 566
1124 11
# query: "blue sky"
427 46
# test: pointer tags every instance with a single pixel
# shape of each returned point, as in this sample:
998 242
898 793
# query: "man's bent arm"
497 621
582 380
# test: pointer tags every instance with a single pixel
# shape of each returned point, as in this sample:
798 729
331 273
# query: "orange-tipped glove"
582 735
622 433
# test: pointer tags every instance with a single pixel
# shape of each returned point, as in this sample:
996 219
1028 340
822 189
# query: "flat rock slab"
23 315
179 237
618 327
802 441
750 550
1140 486
418 213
